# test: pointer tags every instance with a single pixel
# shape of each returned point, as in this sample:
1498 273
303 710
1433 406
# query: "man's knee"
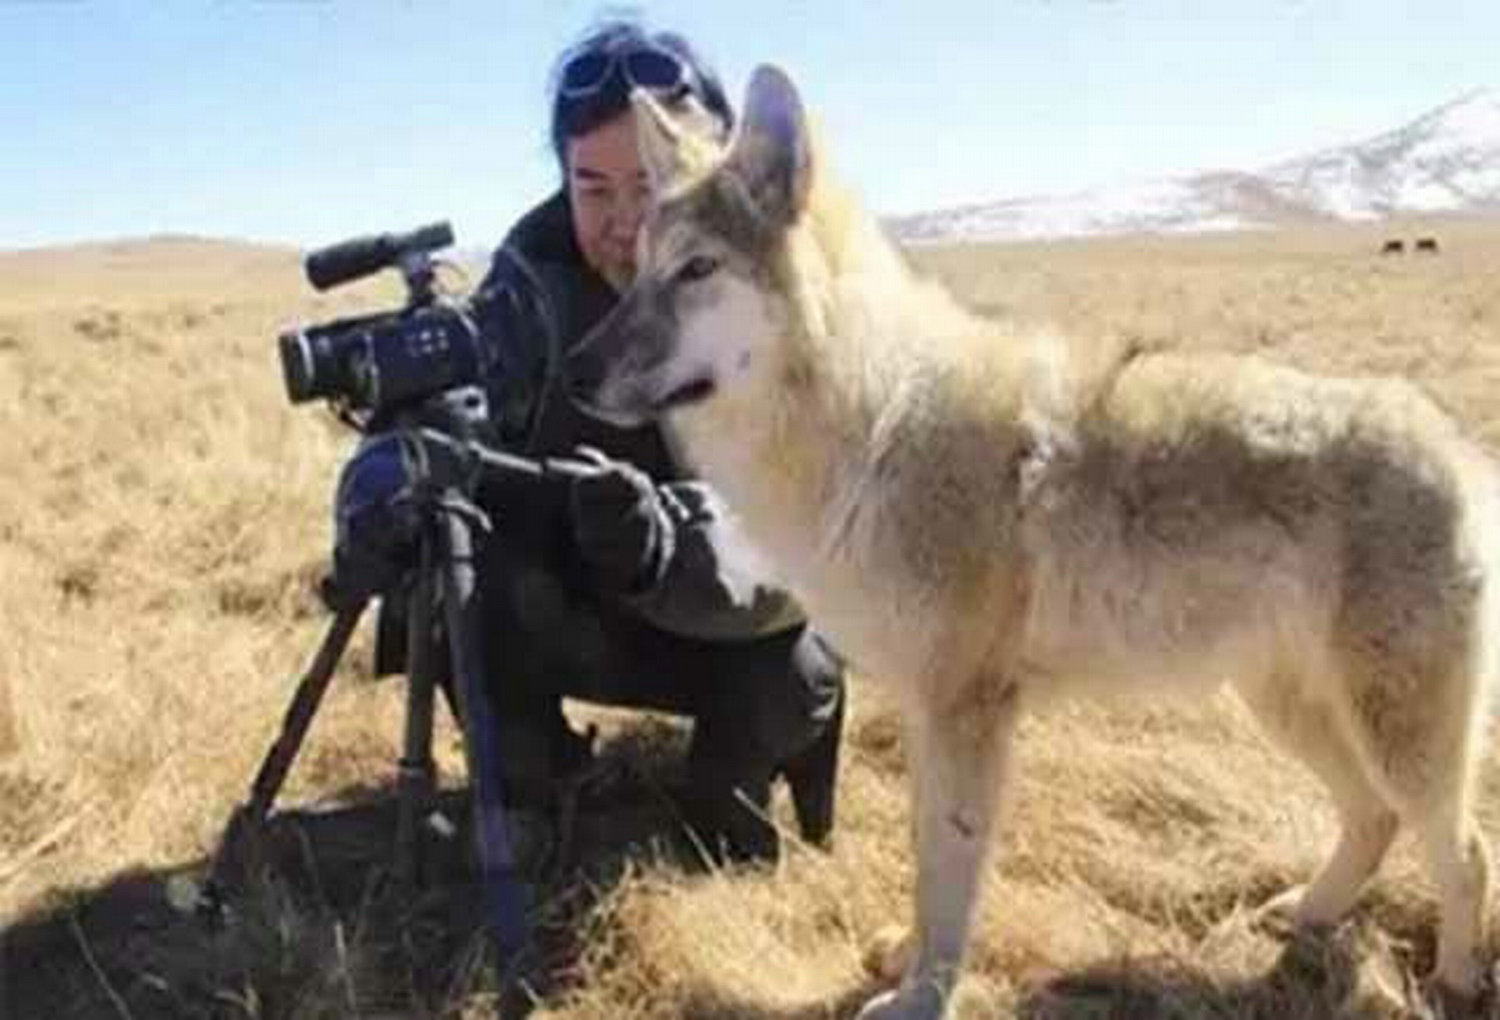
792 705
819 673
784 720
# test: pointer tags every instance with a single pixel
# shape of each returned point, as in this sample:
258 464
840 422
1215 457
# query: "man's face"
609 192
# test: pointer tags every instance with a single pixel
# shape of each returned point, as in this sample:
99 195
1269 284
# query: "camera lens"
298 368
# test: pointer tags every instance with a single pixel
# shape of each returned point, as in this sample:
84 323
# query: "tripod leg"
243 832
506 896
416 776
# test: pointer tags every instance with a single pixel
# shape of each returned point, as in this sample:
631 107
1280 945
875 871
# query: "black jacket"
538 299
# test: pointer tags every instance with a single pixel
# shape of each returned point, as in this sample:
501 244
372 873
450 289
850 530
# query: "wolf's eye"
699 267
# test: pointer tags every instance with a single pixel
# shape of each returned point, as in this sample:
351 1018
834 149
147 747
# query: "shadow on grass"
1314 977
326 931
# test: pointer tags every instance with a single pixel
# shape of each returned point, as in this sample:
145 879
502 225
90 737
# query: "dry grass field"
164 518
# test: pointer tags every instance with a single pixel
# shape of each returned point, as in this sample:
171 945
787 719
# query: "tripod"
442 471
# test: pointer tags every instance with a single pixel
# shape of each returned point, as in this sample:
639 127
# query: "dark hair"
573 116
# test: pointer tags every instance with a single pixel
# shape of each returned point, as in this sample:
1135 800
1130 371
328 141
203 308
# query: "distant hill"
1446 162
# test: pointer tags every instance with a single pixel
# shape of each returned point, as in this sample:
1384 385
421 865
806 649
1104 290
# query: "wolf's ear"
675 141
660 140
772 153
696 123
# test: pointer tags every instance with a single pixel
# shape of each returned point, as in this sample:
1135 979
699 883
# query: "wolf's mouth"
692 392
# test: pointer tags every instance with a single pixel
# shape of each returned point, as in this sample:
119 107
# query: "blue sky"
307 120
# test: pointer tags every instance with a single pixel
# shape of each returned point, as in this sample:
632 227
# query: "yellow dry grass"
165 514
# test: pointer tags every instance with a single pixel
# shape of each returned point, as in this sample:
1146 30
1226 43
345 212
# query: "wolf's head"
705 310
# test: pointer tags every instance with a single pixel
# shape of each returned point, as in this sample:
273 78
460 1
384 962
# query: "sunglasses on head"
647 67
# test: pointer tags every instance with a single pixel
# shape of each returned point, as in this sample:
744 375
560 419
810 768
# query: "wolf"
987 518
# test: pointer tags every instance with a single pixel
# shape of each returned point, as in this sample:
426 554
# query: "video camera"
378 363
409 379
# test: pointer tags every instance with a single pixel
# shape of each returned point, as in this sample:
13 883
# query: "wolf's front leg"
958 760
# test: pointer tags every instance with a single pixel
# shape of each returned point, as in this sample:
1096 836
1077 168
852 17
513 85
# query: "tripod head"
432 460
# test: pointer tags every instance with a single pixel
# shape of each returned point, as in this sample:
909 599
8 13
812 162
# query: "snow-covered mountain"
1447 161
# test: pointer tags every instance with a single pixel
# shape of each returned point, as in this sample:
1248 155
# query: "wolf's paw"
890 953
1282 915
915 1002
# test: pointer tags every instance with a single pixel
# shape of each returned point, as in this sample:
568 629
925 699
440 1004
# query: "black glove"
622 531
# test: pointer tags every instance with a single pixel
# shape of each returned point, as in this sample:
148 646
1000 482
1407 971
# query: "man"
631 591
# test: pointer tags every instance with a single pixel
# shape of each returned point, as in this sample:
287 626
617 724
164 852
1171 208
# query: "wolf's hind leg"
1460 862
1424 752
1368 823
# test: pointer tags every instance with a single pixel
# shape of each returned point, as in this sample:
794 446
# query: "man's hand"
623 533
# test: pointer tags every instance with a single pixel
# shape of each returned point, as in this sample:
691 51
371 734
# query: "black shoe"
812 775
729 818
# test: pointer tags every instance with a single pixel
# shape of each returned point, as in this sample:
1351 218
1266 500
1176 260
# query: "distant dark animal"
1395 246
1427 245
